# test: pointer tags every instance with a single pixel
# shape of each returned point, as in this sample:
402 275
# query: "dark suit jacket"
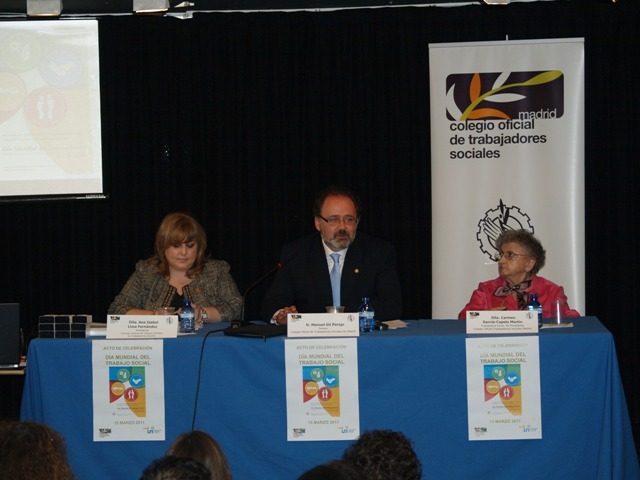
369 270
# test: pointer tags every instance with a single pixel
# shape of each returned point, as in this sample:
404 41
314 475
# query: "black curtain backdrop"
239 118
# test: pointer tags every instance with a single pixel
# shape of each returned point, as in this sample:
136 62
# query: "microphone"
258 281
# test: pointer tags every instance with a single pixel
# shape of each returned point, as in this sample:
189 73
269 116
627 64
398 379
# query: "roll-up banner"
507 152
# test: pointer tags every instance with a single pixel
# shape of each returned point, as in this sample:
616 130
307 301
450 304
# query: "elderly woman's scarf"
520 289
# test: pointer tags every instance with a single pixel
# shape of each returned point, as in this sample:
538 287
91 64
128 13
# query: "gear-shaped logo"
496 221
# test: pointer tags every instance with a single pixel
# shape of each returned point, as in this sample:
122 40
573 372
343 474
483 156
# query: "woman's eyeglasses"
511 255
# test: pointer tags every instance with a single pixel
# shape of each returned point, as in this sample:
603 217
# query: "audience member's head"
200 446
384 455
31 450
334 470
175 468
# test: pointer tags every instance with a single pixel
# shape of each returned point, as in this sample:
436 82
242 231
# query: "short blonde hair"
177 228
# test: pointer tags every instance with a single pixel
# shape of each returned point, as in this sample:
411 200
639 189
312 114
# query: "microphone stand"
258 281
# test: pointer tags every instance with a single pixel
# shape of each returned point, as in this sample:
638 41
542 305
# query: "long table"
412 380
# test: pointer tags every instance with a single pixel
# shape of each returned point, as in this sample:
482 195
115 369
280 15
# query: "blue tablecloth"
412 380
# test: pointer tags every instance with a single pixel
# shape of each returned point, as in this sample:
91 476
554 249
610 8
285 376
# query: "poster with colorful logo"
322 383
127 383
503 388
128 390
322 389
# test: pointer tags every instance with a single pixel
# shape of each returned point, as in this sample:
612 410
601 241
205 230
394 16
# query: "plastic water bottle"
371 319
534 305
366 316
187 317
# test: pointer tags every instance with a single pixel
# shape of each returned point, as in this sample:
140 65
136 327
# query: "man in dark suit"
367 266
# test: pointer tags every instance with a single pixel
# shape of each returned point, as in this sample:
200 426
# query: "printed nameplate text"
502 321
322 325
142 326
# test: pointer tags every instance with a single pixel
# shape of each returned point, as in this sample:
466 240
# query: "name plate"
142 326
502 321
322 325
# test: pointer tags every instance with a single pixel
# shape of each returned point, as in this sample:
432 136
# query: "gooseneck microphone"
250 288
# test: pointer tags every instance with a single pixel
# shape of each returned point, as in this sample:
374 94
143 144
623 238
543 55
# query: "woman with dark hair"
175 468
333 470
32 451
179 269
384 455
201 447
521 257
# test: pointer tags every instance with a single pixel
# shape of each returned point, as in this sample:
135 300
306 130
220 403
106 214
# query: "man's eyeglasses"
511 255
336 219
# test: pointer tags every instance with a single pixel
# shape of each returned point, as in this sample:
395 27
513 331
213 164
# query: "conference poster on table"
322 389
503 388
128 390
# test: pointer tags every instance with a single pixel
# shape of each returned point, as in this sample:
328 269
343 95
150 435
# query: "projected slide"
49 109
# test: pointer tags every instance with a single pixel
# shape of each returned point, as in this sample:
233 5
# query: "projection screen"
50 143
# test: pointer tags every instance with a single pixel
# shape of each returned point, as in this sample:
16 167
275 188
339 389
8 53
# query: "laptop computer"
9 335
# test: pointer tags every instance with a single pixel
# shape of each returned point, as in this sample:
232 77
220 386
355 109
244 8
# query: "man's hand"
281 315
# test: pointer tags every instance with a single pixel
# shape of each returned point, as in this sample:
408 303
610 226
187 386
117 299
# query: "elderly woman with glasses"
521 257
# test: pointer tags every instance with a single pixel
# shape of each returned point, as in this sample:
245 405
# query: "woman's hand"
166 311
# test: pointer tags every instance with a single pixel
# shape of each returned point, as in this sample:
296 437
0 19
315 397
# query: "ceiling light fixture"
150 6
44 8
